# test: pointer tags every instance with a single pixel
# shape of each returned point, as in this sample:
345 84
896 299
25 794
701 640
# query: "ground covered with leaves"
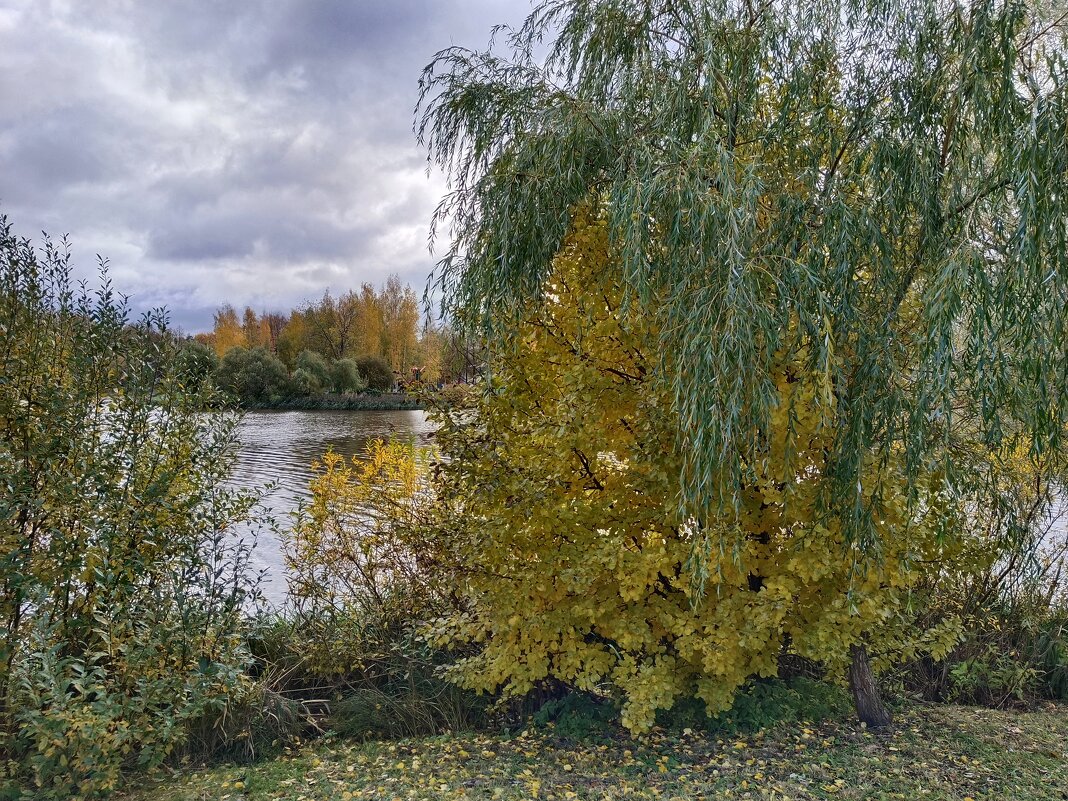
932 753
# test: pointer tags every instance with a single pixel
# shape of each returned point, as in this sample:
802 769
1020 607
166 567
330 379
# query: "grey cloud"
256 153
257 226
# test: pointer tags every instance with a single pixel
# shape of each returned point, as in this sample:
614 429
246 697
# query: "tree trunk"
866 696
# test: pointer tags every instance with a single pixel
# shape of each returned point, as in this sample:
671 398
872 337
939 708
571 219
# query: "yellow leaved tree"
573 561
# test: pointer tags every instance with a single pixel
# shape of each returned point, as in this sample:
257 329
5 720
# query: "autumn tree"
292 340
228 331
332 325
206 338
428 354
399 311
869 193
250 327
369 325
571 555
272 324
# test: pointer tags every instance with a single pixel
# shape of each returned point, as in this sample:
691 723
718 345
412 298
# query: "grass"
938 753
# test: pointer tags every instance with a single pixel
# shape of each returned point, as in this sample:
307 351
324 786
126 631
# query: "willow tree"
875 190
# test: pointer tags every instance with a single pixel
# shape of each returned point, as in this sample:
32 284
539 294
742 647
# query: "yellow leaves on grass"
942 753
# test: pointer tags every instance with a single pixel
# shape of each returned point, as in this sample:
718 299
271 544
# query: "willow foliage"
877 189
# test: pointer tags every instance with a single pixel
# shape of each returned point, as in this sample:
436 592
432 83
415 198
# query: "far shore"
382 402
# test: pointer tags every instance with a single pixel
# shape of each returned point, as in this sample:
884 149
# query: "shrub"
407 698
121 586
763 704
196 364
345 377
376 373
578 716
252 376
305 384
1012 596
358 561
255 721
315 366
1014 652
364 579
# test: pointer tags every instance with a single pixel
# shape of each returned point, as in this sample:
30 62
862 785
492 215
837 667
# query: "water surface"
279 447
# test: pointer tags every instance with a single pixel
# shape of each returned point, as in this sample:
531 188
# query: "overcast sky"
253 152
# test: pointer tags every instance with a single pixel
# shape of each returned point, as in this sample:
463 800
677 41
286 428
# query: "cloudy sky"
251 151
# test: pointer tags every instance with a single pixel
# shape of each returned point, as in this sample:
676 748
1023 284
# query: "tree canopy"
874 191
571 557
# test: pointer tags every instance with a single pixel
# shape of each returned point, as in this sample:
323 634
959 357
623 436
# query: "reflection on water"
279 448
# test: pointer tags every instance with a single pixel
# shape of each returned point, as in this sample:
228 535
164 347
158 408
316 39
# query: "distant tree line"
365 340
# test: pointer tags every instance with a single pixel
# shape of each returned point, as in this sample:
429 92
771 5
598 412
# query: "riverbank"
383 402
937 752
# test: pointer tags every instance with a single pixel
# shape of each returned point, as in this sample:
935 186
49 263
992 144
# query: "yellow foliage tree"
399 312
228 331
574 559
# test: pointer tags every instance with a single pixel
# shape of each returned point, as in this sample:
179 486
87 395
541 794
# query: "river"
279 448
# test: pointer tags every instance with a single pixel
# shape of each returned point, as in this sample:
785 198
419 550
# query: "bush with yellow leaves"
364 575
123 590
574 563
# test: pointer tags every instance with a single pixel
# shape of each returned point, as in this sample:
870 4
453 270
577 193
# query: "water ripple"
278 448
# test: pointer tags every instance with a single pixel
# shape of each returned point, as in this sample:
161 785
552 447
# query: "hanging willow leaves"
875 188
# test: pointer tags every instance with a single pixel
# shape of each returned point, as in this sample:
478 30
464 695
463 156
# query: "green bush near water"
122 591
253 376
345 377
375 372
314 367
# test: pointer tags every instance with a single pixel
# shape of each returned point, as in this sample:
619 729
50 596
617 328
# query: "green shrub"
253 376
345 377
411 701
122 589
1052 646
305 384
364 580
763 704
196 364
376 373
1015 653
578 716
315 366
253 723
992 678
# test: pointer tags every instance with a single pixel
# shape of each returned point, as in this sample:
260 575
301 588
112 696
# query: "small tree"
875 192
375 371
315 366
253 376
305 384
345 377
